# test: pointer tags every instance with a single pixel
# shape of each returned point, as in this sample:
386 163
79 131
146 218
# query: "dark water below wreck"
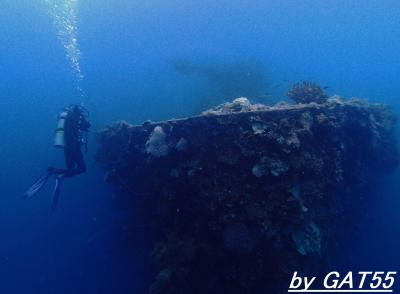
127 49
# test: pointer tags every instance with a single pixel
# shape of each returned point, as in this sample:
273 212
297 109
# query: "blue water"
126 48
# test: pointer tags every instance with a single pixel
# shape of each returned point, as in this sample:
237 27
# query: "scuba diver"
71 135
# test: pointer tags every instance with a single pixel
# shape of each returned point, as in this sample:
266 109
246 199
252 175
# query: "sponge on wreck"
156 145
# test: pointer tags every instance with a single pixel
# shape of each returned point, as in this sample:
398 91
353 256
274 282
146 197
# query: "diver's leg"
80 162
69 158
69 162
56 193
75 162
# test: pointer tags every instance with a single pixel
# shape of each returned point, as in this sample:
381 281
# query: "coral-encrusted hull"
245 195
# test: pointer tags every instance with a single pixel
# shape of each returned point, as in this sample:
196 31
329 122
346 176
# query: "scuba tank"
59 139
77 114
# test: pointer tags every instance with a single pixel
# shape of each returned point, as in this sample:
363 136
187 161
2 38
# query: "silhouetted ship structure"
244 195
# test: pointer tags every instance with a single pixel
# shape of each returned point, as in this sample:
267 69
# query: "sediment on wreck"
244 195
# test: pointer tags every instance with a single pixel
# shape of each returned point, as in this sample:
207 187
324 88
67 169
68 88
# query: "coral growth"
307 92
156 144
238 105
308 239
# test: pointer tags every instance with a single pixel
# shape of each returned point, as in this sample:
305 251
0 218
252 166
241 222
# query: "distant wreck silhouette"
225 79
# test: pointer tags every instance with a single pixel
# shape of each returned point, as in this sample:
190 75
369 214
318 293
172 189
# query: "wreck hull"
244 199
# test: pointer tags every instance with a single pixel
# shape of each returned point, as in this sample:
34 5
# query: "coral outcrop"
307 92
244 195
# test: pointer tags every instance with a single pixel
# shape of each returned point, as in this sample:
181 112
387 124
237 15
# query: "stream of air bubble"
64 14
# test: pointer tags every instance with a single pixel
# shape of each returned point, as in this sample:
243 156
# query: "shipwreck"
244 195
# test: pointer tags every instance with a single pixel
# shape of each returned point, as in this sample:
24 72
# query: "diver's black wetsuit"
75 127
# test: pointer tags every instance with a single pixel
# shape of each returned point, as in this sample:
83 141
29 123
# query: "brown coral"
307 92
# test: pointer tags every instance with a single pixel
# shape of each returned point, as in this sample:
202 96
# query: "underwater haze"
154 60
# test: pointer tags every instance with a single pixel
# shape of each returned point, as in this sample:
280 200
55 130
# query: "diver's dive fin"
37 186
56 194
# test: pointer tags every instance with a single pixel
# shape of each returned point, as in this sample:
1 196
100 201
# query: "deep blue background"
351 46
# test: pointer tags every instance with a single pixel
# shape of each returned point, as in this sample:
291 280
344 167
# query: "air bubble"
64 14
